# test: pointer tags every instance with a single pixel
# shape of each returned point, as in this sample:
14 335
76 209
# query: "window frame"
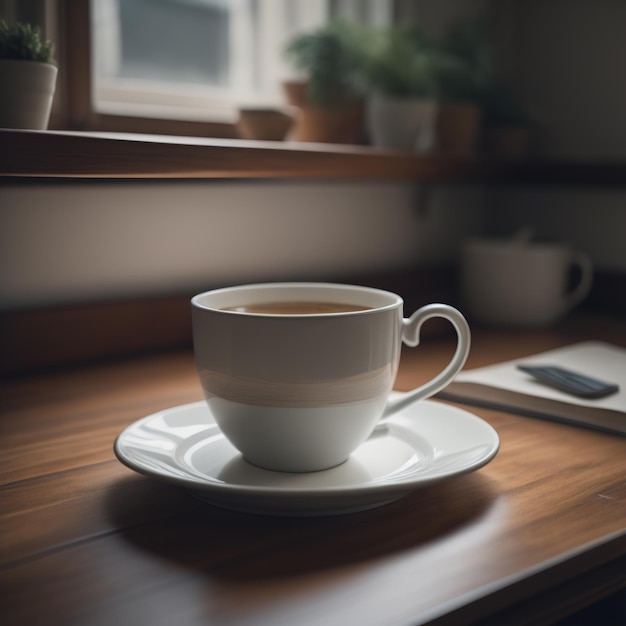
74 110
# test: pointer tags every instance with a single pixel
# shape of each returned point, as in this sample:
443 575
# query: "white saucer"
428 442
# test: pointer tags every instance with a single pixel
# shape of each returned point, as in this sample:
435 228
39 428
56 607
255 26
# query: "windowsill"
66 154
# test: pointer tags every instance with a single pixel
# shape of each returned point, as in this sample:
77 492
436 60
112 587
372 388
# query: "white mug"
299 391
511 283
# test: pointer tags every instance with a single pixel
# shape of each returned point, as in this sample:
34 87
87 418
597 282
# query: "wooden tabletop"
536 534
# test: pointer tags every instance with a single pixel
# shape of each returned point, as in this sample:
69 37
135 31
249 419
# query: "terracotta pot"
263 124
26 93
296 93
507 141
329 125
458 128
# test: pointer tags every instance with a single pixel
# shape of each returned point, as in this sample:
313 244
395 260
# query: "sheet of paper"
593 358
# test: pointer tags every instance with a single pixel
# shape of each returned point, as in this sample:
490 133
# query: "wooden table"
536 534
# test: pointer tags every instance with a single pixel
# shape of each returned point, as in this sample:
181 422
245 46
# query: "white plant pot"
26 93
407 123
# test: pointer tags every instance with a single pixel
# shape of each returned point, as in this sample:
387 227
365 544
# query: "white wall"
88 241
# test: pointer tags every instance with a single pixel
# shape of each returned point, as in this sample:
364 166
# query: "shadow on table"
168 523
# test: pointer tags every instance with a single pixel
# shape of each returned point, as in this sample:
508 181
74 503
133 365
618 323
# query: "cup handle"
584 286
411 336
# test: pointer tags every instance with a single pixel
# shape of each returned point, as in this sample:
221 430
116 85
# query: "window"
198 60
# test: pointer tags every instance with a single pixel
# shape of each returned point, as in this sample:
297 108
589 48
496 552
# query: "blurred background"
88 241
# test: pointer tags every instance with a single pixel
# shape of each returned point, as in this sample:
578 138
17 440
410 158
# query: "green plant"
332 59
23 42
398 63
464 62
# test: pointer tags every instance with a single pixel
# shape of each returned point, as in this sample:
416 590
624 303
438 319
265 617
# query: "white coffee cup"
300 392
517 283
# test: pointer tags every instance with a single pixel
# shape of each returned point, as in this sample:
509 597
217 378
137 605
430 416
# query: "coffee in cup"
298 375
296 308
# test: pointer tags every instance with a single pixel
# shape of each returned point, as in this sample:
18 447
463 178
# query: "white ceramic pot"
26 93
407 123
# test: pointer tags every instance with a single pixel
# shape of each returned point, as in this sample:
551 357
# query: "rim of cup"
375 299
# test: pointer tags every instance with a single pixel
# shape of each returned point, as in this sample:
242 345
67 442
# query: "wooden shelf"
61 154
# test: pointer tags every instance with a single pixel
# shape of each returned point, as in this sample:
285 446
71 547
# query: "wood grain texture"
74 154
87 541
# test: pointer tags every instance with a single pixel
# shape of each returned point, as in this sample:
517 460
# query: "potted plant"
507 123
330 97
27 77
399 75
464 67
